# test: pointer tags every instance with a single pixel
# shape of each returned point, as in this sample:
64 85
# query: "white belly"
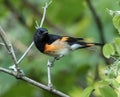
64 51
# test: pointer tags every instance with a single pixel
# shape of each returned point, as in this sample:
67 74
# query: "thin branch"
9 47
25 53
5 39
37 25
49 65
39 14
97 20
2 44
44 13
49 74
33 82
22 57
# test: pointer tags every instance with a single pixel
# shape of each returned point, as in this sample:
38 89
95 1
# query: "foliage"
108 50
113 50
78 73
107 91
87 92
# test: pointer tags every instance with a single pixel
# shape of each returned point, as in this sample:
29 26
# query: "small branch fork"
16 72
9 47
43 17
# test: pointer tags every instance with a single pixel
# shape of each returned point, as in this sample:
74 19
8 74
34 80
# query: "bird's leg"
53 61
55 58
58 57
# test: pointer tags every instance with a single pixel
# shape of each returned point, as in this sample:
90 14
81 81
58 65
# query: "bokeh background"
71 74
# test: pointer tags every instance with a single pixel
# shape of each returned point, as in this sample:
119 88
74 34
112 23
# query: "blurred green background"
71 74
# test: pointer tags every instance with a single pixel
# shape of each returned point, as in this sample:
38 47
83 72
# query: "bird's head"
41 34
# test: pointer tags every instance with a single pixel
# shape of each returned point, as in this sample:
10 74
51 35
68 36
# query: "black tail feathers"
99 44
92 44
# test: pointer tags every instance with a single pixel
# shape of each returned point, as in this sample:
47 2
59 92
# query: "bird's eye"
40 32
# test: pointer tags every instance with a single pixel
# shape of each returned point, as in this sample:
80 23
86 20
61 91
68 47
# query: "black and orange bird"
58 46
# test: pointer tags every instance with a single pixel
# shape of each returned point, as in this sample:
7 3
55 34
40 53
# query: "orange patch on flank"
64 39
48 47
51 48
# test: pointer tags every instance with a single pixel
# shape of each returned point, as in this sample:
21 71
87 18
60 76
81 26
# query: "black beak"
45 33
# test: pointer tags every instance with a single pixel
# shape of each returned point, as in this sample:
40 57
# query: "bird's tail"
84 45
93 44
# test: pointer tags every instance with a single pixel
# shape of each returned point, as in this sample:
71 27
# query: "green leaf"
87 92
116 18
115 83
116 22
117 45
108 50
107 91
112 13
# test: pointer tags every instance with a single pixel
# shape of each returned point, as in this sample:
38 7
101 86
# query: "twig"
25 53
2 44
37 25
49 74
38 13
35 83
49 65
9 47
5 39
44 13
97 20
43 17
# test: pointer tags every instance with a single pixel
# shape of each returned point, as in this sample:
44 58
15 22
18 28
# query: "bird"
58 46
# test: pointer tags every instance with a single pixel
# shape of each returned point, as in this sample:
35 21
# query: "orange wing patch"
64 39
90 44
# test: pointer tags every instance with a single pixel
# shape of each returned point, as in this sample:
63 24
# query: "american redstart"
58 46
